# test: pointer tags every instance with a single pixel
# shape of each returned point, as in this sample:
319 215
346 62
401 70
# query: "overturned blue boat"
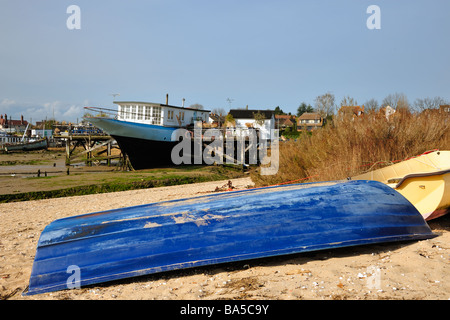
220 228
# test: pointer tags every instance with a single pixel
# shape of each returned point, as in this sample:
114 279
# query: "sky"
217 53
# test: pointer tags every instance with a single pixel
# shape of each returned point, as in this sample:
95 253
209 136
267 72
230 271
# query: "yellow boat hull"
424 181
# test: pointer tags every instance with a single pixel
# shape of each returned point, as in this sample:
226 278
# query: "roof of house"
356 110
285 119
444 108
248 114
12 122
284 116
310 116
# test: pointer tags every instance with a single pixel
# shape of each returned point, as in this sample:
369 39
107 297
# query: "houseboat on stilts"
145 130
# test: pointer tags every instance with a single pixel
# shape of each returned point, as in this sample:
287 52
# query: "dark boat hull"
146 145
220 228
145 154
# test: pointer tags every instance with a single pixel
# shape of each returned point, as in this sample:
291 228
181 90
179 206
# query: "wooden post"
108 153
89 153
67 151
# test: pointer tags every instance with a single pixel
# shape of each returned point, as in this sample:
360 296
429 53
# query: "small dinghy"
423 180
224 227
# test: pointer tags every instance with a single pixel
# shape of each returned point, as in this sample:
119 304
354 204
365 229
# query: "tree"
325 104
429 103
229 120
398 101
278 111
259 118
219 111
348 101
371 105
303 108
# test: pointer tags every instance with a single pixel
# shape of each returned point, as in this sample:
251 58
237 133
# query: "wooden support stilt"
108 153
68 152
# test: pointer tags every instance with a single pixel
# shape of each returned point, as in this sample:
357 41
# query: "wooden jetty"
90 143
232 149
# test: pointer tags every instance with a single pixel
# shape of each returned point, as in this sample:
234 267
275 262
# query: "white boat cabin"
160 114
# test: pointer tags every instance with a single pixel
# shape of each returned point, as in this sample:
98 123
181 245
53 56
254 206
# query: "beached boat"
219 228
145 130
423 180
26 145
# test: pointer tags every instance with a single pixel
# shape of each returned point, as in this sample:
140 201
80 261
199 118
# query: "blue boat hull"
219 228
134 130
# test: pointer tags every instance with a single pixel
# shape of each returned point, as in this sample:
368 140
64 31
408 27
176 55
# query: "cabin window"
126 112
182 116
140 112
170 115
120 112
148 111
132 112
156 115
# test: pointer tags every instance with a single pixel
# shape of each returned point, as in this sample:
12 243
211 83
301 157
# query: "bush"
347 147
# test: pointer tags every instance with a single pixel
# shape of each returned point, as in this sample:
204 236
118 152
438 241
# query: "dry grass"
346 147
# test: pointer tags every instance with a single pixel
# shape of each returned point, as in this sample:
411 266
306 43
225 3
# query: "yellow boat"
423 180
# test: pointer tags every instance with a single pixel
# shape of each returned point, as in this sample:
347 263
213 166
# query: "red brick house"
18 125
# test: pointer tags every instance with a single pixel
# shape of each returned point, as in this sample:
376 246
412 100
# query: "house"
160 114
245 119
309 121
43 133
387 112
445 109
283 121
351 112
13 125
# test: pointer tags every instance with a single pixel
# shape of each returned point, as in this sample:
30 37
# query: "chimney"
182 104
167 99
21 119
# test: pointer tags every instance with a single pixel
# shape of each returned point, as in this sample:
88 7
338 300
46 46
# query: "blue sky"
258 53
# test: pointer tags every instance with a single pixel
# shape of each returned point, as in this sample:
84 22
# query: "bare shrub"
349 146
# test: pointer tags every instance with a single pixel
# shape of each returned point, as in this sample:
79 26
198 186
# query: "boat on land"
423 180
219 228
144 131
26 145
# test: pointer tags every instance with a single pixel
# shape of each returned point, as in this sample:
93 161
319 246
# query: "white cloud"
41 111
7 103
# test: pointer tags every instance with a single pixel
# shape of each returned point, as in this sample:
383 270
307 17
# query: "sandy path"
410 270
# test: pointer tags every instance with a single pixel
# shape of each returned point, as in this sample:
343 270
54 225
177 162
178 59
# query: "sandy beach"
406 270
